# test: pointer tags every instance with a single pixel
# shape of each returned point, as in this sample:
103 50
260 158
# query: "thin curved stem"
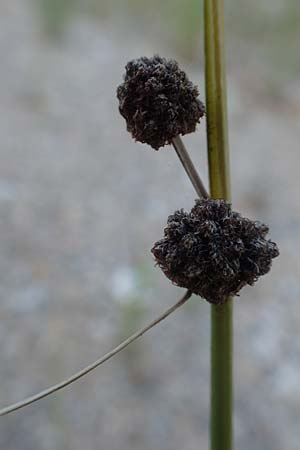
189 167
94 365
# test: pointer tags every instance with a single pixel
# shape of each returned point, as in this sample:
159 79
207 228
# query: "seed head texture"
158 101
213 251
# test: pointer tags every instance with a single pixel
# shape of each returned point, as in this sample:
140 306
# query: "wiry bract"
214 251
158 101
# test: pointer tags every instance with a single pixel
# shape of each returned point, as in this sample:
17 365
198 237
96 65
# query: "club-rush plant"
211 251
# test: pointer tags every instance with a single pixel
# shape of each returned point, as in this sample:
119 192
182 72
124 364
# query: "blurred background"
81 205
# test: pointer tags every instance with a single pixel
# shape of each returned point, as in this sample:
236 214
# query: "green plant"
212 251
218 160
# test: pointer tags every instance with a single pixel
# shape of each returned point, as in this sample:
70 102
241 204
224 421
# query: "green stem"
218 159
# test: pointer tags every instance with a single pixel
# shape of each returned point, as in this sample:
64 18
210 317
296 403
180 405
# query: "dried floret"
158 101
214 251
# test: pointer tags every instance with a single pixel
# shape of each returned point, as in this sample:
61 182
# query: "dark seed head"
214 251
158 101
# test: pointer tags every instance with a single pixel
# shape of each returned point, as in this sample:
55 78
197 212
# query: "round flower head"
158 101
214 251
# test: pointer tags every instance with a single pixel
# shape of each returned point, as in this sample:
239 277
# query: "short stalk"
189 167
221 315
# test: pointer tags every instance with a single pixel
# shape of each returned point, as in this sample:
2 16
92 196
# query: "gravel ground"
80 206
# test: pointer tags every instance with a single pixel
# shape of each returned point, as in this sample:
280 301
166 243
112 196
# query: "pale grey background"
81 205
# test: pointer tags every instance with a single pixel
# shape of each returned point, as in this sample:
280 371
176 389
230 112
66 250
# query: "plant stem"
57 387
218 159
189 167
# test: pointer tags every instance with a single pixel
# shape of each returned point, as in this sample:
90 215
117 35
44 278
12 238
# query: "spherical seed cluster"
214 251
158 101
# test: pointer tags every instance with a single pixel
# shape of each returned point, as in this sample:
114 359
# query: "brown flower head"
214 251
158 101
